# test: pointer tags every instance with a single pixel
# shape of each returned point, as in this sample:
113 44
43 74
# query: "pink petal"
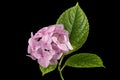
62 47
32 57
51 28
44 62
69 45
55 40
42 30
36 55
47 55
45 45
61 31
53 62
57 56
38 35
46 39
31 34
55 48
29 49
61 39
33 43
60 26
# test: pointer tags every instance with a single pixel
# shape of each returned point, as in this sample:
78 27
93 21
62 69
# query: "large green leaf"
76 23
48 69
84 60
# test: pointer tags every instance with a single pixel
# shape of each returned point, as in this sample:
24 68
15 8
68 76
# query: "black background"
26 17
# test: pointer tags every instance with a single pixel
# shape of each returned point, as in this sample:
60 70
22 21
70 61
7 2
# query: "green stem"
61 75
62 67
61 60
59 66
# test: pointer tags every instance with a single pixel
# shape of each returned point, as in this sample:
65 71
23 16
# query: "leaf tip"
77 4
43 74
104 66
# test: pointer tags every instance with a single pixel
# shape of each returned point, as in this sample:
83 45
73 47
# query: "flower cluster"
49 44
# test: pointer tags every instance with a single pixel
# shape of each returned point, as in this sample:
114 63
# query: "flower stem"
59 68
61 75
62 67
61 60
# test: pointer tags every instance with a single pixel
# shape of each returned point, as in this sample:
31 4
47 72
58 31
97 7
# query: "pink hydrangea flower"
49 44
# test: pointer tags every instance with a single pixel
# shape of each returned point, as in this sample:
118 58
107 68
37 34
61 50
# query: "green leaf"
48 69
84 60
76 23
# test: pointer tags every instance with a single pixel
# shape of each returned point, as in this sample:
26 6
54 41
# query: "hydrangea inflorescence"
49 44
